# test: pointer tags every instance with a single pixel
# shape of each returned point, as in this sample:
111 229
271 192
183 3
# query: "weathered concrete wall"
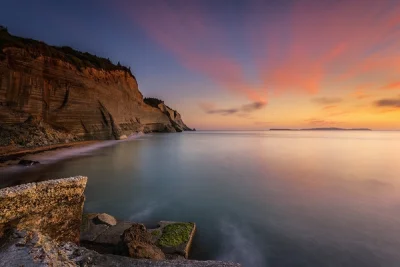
53 208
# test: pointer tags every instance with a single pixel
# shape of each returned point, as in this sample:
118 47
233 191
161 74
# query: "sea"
260 198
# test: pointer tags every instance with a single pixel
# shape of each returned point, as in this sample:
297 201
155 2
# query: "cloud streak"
327 100
321 122
242 110
388 102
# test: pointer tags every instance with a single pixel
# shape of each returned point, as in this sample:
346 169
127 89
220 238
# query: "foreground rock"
34 249
40 225
139 244
101 236
174 238
53 208
106 219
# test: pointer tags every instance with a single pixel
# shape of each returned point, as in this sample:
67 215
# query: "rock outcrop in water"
171 240
34 249
71 95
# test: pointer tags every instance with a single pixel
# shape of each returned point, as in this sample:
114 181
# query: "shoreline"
10 158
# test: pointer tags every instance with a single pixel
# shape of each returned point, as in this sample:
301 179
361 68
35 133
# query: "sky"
240 64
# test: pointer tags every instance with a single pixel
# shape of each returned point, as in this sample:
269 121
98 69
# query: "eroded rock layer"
73 92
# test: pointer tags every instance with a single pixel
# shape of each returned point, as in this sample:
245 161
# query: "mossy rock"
176 234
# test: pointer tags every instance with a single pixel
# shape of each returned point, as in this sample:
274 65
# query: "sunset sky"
236 64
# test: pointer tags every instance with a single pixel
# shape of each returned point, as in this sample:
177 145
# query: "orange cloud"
321 122
391 86
329 107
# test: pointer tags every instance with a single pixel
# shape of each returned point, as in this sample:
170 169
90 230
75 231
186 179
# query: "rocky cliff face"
73 92
173 115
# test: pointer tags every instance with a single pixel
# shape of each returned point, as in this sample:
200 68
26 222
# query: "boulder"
122 137
25 162
102 237
106 219
174 238
139 244
90 230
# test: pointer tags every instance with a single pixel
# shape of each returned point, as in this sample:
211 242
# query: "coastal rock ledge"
53 208
41 223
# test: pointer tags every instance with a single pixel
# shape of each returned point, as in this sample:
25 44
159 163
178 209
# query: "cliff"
173 115
74 93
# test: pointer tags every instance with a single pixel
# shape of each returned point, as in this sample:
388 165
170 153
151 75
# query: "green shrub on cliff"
151 101
37 48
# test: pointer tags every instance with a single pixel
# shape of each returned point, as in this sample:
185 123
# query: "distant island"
321 129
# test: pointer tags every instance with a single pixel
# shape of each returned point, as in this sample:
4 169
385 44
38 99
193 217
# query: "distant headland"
321 129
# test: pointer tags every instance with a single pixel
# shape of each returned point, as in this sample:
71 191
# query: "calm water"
259 198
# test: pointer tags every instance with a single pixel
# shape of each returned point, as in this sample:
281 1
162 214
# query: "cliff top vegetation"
151 101
78 59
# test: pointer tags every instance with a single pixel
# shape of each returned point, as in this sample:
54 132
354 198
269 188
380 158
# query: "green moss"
175 234
156 232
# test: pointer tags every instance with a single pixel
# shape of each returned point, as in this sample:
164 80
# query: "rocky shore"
42 224
58 98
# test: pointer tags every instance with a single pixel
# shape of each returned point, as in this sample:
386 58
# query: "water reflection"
260 198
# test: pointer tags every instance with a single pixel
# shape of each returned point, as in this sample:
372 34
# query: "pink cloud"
391 86
326 42
302 48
